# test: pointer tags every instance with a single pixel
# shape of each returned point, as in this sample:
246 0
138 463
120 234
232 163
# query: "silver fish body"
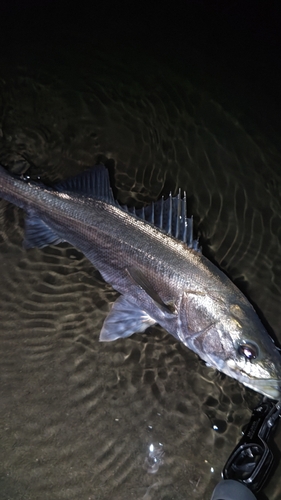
160 277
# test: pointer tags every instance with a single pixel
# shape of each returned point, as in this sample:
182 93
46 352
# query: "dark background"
231 46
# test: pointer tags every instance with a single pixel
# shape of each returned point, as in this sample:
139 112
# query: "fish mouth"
268 387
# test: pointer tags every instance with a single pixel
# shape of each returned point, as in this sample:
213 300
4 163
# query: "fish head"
229 336
253 359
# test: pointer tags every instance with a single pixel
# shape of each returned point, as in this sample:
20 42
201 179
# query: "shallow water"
139 418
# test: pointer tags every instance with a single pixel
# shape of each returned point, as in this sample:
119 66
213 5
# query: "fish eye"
248 350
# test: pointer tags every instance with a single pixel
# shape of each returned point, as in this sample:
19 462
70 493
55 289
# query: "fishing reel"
248 467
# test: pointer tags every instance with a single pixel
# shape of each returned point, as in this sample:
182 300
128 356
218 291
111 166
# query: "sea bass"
149 256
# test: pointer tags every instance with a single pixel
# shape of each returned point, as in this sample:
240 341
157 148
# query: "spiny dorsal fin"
170 216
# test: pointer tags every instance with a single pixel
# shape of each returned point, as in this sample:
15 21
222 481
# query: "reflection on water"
142 417
154 458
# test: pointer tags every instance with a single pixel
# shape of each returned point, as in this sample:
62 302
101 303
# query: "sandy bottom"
141 418
81 419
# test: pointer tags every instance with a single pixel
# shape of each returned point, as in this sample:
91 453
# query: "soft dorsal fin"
168 215
93 183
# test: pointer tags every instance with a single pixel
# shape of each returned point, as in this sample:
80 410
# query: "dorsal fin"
93 183
170 216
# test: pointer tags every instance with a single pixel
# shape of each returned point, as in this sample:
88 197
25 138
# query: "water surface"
140 418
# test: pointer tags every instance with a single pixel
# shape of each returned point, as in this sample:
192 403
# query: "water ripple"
78 417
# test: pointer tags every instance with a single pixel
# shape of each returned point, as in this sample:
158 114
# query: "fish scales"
161 279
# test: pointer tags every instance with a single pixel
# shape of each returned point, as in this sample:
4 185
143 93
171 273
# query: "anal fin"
38 234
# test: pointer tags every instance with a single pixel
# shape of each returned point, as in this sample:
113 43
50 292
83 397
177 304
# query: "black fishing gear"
249 465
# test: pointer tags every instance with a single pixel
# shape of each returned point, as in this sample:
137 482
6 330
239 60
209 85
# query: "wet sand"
140 418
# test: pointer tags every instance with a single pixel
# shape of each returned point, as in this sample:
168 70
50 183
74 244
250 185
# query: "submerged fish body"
150 258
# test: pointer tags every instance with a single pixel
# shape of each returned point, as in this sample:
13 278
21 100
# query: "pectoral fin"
123 320
140 279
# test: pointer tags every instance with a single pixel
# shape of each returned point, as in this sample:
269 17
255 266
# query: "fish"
151 258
